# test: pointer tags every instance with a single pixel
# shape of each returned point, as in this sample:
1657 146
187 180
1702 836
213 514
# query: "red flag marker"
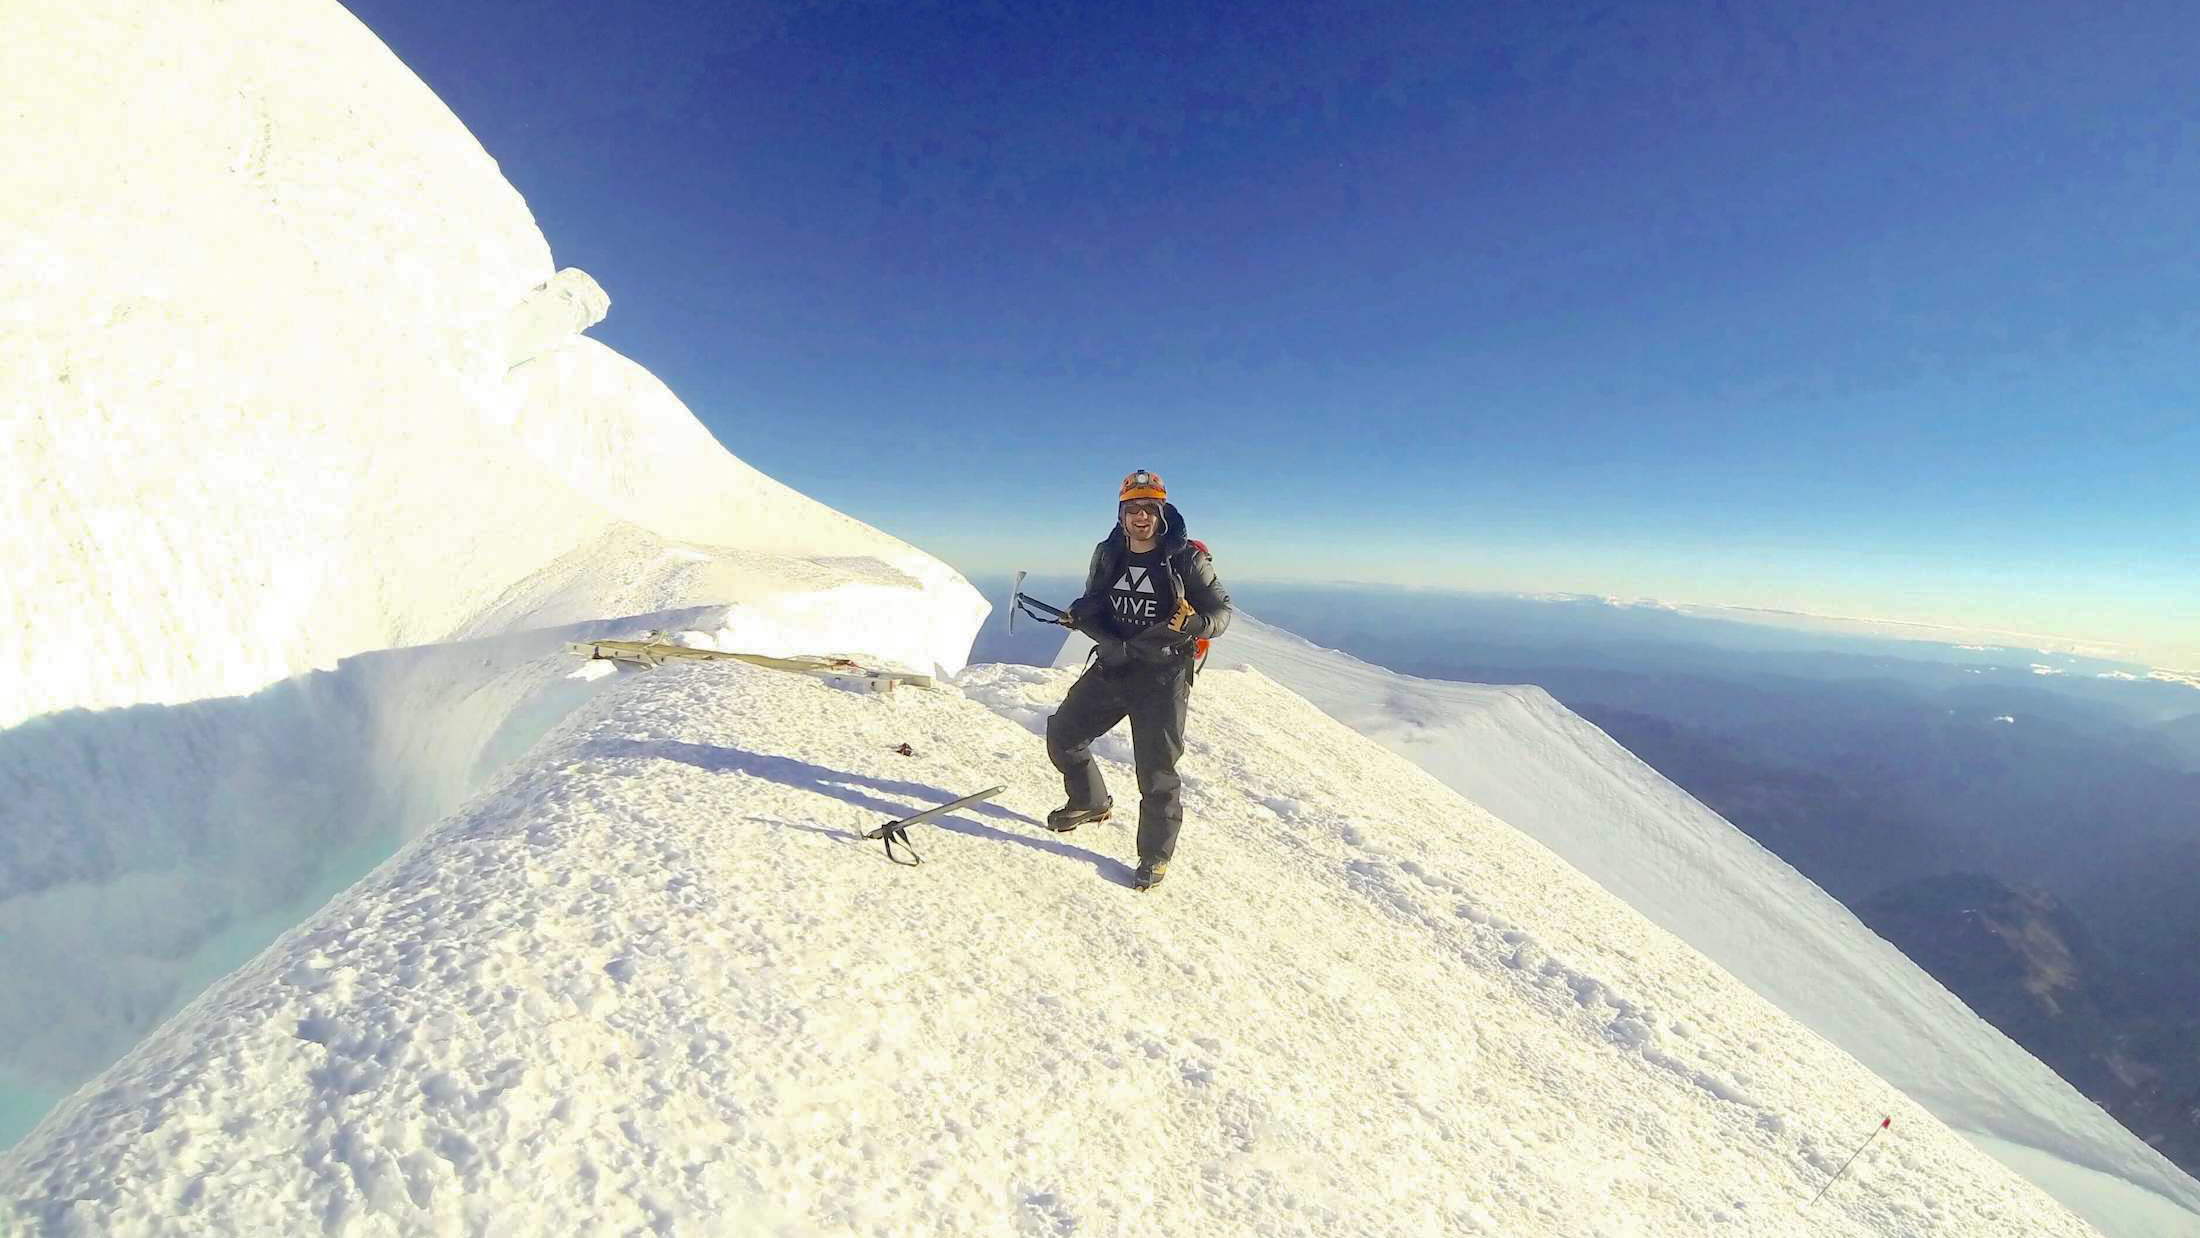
1884 1123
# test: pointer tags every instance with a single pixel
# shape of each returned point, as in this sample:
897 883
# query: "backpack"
1199 643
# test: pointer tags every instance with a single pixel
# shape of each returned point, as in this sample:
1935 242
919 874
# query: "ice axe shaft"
1884 1123
897 830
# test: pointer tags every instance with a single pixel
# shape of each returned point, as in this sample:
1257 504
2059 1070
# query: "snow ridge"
654 979
296 386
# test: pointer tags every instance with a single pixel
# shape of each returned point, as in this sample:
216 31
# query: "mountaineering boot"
1149 874
1069 816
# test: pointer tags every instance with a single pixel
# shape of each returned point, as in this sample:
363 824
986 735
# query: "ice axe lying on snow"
897 830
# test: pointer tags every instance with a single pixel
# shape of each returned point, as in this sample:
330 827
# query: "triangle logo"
1136 580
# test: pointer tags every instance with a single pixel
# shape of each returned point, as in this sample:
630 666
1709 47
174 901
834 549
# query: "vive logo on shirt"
1134 597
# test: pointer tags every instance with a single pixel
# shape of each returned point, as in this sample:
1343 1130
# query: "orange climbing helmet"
1143 484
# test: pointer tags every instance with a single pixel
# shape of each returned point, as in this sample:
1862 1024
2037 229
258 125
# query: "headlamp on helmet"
1143 484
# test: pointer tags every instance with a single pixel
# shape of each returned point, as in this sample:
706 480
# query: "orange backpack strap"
1199 644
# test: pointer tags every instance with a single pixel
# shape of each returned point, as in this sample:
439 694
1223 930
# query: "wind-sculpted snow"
288 373
653 981
1521 755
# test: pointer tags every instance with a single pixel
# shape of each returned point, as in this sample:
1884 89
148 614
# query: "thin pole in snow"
1884 1123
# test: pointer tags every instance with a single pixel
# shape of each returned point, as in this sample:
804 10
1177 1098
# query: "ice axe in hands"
1035 608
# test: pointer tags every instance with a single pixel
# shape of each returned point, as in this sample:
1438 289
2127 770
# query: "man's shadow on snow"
852 788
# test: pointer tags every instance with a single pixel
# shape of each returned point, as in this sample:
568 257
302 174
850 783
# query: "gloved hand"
1113 652
1189 622
1155 644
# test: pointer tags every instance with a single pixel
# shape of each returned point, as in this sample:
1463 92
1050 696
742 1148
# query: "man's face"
1142 519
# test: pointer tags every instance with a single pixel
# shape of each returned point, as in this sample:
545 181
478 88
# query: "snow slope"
1545 771
653 981
309 466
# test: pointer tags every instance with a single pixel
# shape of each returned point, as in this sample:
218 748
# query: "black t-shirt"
1141 596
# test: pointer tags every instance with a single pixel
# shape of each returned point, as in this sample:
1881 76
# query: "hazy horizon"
2180 666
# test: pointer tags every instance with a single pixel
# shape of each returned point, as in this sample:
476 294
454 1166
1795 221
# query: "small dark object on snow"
906 750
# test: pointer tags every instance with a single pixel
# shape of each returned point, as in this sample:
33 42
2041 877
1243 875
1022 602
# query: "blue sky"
1868 308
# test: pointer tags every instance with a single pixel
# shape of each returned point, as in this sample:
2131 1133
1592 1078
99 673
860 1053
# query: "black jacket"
1191 575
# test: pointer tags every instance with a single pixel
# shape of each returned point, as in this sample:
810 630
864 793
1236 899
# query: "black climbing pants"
1155 696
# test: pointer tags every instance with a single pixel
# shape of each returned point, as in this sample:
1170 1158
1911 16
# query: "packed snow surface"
654 980
1546 771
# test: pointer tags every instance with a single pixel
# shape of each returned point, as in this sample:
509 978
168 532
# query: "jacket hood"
1173 536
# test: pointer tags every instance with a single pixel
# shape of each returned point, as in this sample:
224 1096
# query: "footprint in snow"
1043 1213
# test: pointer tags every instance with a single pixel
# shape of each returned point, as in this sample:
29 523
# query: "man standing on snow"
1150 596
